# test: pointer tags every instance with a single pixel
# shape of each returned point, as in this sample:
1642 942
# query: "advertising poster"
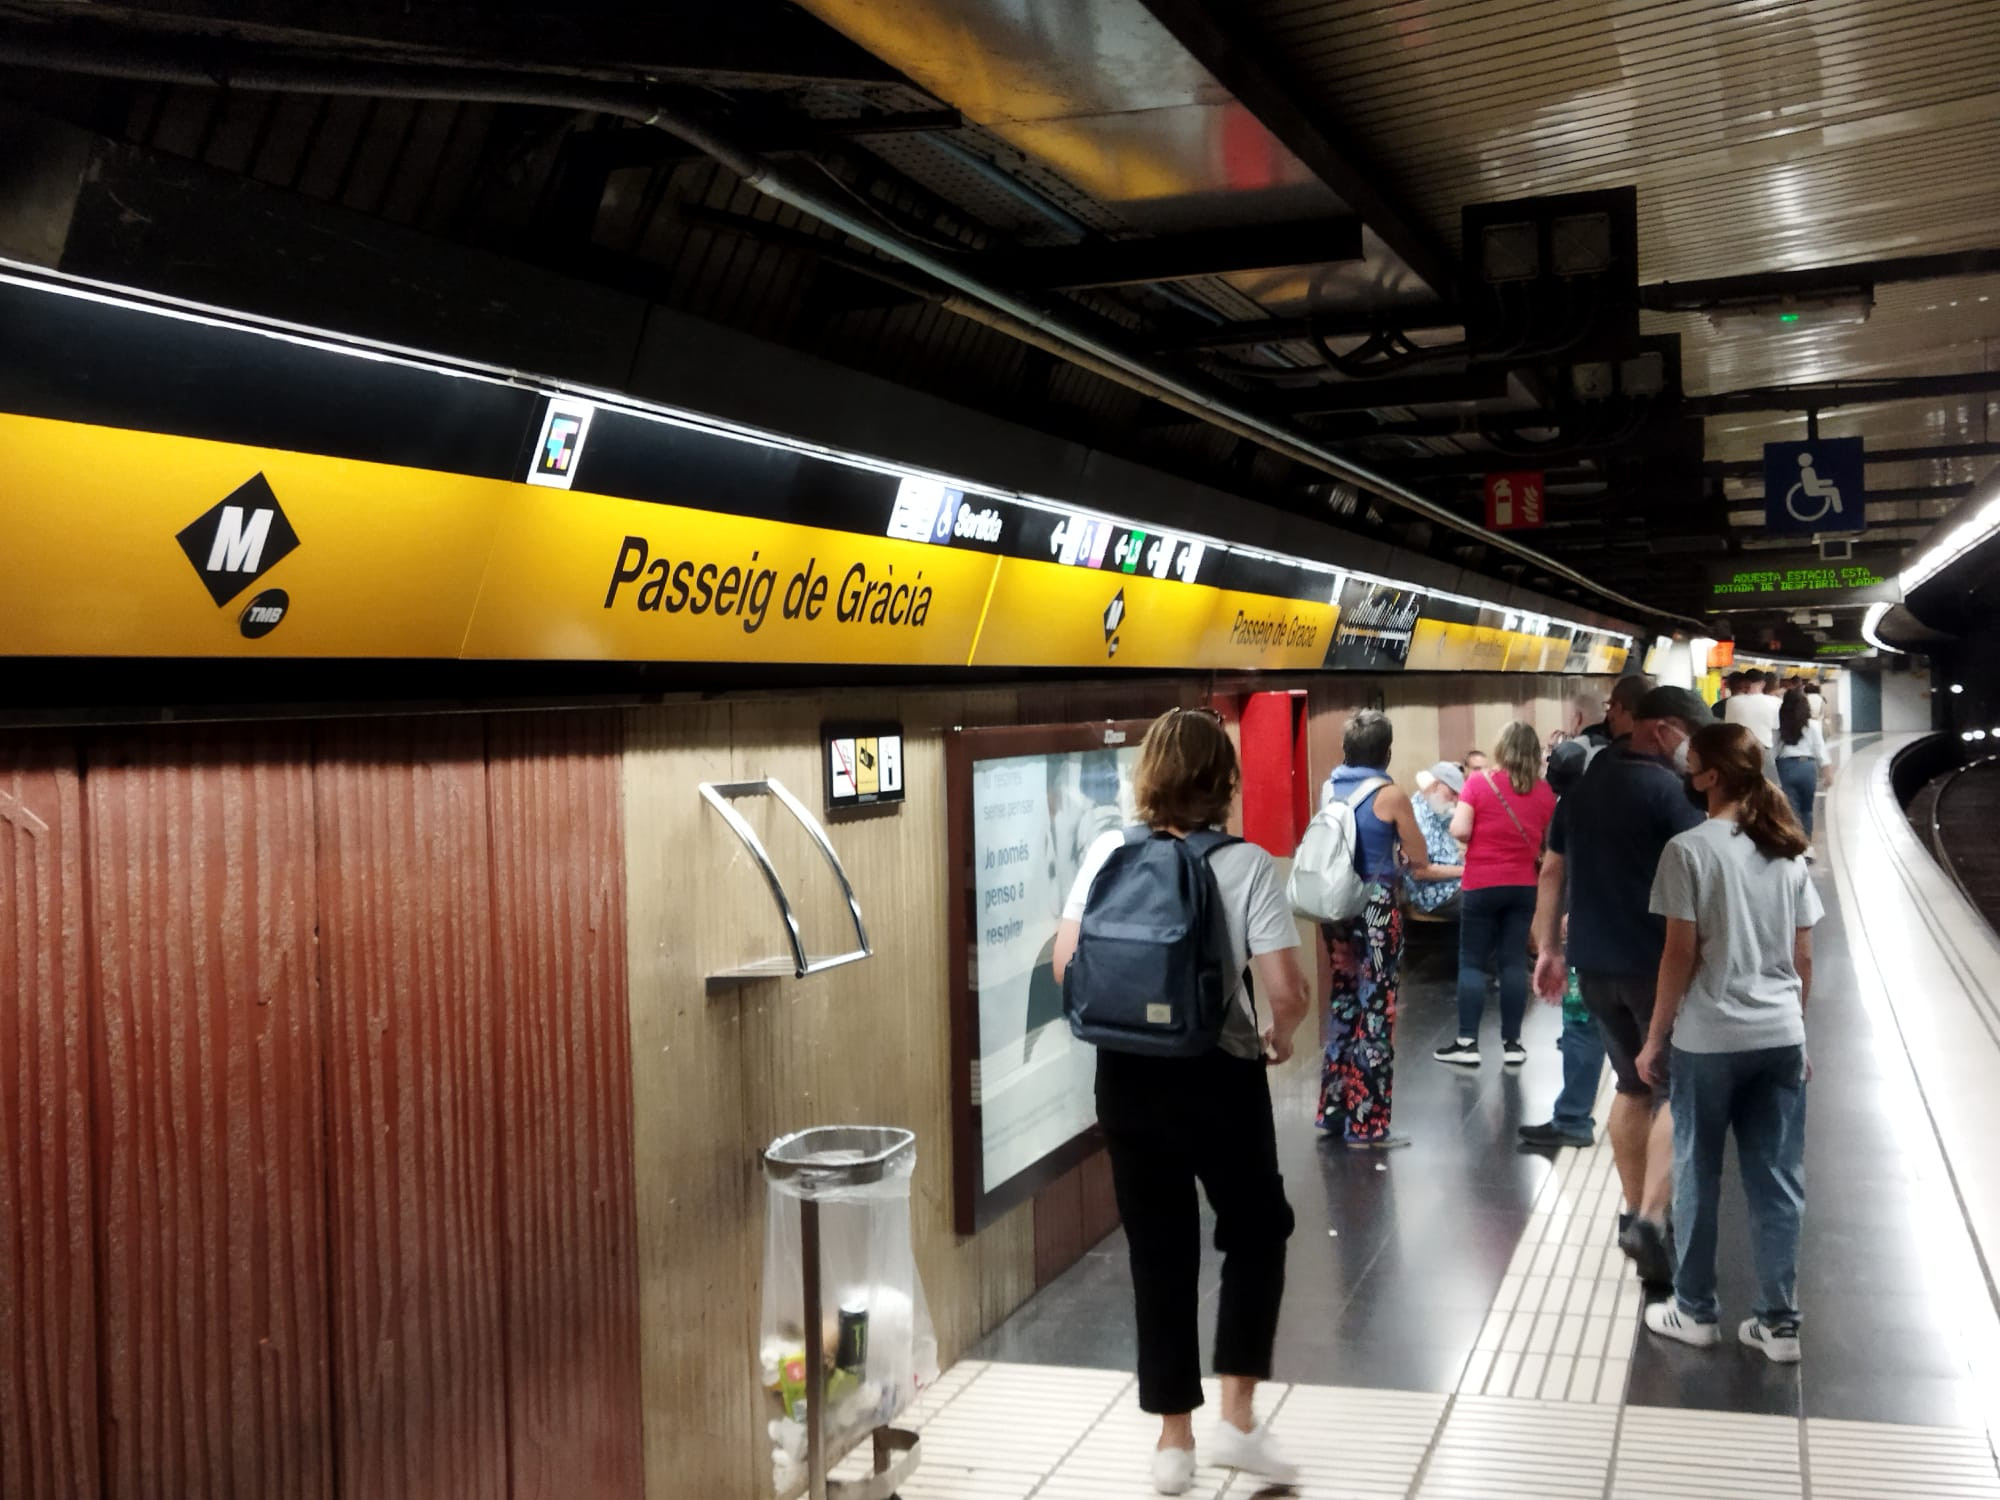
1376 623
1034 819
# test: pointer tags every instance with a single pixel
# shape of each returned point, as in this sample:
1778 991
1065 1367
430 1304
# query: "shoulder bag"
1514 818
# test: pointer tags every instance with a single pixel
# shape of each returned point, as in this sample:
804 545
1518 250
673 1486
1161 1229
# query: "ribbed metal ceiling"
1761 133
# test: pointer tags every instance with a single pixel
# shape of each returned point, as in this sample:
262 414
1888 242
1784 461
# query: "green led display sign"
1795 580
1843 648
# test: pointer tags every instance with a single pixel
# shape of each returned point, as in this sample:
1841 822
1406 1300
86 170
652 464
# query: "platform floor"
1458 1320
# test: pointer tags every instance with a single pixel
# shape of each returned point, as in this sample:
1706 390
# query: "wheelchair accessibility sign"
1813 488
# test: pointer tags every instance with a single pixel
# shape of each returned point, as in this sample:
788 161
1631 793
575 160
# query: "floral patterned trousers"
1358 1078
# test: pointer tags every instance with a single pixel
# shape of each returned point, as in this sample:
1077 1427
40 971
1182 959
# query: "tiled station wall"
366 1125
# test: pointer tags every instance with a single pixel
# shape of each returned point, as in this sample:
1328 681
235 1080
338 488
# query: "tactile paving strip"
1495 1448
1868 1461
1673 1454
1562 1323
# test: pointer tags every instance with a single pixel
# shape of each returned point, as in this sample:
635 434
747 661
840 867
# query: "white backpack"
1324 883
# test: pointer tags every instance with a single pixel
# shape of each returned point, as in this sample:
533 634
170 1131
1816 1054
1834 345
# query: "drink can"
851 1352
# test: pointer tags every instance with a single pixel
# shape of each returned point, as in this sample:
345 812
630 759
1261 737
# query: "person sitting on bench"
1436 799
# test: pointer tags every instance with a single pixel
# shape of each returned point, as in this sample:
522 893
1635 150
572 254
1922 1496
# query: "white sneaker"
1254 1452
1780 1342
1669 1322
1173 1470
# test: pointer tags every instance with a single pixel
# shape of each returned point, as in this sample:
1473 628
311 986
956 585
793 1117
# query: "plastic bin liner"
880 1348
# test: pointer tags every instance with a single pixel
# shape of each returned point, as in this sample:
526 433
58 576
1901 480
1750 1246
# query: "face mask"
1681 757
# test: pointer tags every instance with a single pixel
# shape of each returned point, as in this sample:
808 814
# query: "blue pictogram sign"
1814 488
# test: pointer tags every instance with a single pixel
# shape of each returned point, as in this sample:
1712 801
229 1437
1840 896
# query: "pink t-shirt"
1499 854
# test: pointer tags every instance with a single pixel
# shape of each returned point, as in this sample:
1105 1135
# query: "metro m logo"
239 539
239 547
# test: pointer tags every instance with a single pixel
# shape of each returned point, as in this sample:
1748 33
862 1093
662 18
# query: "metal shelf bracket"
721 795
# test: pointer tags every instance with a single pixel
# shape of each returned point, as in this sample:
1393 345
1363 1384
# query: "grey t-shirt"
1260 921
1746 909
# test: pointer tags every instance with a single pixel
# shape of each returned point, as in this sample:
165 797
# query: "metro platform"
1459 1323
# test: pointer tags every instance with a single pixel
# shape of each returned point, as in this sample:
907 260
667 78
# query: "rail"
1976 870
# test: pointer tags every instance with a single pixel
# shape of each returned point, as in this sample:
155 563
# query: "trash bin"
846 1337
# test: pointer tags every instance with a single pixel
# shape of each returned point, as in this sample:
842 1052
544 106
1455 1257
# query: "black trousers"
1170 1122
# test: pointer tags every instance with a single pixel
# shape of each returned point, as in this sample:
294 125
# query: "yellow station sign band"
125 543
576 577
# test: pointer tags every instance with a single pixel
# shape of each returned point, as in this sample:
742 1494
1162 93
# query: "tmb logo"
238 540
263 614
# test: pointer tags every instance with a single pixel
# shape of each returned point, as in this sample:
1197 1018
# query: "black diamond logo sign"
238 540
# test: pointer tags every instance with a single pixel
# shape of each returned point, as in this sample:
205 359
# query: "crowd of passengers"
1645 869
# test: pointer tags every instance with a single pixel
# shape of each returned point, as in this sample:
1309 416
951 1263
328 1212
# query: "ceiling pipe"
820 195
1659 296
1829 394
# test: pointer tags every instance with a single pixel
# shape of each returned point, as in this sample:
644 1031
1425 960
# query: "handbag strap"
1512 817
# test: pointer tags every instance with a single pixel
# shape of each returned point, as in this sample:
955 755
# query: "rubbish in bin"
851 1351
876 1341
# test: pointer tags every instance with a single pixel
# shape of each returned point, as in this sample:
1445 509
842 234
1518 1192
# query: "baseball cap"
1674 703
1566 763
1451 775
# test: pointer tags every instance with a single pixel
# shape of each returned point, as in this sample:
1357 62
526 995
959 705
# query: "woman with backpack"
1176 1111
1502 817
1365 953
1730 1015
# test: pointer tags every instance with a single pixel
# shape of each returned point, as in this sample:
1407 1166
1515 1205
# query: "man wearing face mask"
1604 847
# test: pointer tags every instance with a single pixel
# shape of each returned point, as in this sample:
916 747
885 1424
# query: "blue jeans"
1583 1069
1762 1097
1493 931
1799 776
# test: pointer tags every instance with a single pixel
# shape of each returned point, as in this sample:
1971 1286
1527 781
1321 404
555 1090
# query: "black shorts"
1622 1005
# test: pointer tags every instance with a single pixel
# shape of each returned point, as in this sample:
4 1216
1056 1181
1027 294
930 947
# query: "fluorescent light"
1979 526
1801 310
1868 623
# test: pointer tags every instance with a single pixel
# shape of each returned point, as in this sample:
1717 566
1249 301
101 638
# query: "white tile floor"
1497 1448
1672 1455
1863 1461
1539 1411
1039 1432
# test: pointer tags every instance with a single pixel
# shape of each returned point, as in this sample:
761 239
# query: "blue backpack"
1153 972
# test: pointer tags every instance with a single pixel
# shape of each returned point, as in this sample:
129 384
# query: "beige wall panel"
714 1078
693 1153
972 1284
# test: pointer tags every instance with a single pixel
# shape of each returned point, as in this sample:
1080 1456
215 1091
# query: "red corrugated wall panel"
209 1150
574 1405
413 1041
48 1334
